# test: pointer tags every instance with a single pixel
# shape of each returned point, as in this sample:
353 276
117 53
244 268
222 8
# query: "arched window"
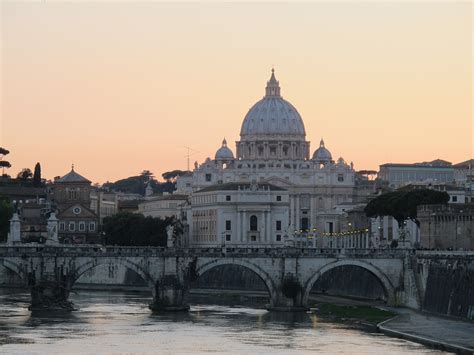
253 223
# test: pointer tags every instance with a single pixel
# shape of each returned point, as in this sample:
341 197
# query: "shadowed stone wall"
450 287
230 277
350 281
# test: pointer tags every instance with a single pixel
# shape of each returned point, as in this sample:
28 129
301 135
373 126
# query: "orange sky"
117 88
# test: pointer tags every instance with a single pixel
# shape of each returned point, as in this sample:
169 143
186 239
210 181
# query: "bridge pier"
50 294
289 296
169 295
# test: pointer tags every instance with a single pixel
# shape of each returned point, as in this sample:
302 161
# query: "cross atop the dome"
273 86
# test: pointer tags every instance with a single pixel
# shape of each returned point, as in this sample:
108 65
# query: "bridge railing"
445 253
113 251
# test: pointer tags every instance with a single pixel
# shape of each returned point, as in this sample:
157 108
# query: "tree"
3 163
172 175
24 175
146 176
137 184
6 212
37 175
133 229
402 204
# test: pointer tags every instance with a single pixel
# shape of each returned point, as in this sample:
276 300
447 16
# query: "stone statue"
52 229
14 237
170 239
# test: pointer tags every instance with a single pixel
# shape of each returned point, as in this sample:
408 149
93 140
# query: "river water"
120 322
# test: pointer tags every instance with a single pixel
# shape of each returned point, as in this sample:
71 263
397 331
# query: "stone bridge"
288 273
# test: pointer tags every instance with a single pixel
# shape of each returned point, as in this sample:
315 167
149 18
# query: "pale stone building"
447 226
163 206
273 150
398 175
104 203
234 214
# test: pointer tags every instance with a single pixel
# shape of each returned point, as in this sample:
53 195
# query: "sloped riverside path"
441 333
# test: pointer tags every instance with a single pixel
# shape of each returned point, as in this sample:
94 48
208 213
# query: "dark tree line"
6 212
137 184
133 229
402 204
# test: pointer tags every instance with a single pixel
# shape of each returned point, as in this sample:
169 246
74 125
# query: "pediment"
77 211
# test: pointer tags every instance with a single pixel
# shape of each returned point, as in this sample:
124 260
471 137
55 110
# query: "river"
120 322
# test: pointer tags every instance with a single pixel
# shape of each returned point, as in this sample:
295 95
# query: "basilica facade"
295 191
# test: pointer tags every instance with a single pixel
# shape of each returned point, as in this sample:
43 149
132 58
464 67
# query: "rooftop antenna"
191 152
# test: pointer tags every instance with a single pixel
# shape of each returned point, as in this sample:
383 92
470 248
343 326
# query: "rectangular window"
278 238
72 226
82 226
62 226
208 177
455 199
228 225
278 225
227 237
227 198
253 238
340 177
278 198
91 226
330 227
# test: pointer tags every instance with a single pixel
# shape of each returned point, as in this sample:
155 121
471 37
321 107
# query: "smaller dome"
322 154
224 153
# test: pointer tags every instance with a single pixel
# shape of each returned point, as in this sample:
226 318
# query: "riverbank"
436 332
366 316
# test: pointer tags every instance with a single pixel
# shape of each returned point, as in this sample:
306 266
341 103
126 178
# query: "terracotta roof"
415 165
72 176
465 164
22 191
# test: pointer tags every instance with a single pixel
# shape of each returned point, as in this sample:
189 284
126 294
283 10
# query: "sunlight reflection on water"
113 322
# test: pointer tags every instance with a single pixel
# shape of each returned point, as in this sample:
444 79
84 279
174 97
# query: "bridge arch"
384 280
17 269
83 268
264 276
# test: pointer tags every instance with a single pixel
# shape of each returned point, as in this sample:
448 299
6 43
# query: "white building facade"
273 151
236 214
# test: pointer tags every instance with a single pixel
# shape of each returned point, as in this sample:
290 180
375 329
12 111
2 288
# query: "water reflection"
122 322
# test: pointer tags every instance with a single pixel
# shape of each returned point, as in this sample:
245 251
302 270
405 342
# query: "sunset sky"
119 87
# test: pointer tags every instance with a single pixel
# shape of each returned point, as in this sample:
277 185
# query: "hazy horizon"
117 88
